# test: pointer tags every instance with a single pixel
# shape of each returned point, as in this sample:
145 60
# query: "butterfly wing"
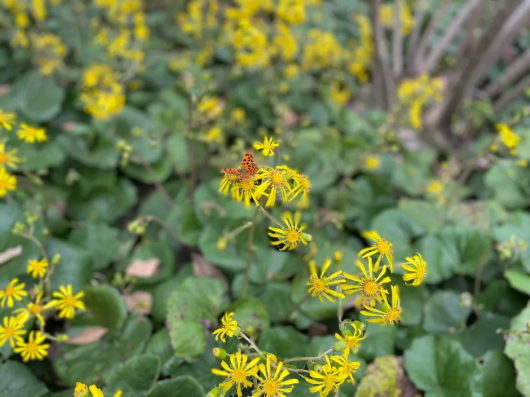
236 173
249 165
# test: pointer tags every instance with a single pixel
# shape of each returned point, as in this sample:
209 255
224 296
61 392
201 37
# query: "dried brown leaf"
143 268
202 268
89 335
10 253
139 301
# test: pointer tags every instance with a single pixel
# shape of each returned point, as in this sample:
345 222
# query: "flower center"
9 289
3 186
276 178
32 347
319 285
292 236
352 341
247 184
239 376
69 300
9 332
329 381
421 272
35 309
271 387
393 315
370 288
3 158
384 247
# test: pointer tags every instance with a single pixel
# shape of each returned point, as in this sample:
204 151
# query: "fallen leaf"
317 329
89 335
202 268
10 253
143 268
69 126
139 301
5 89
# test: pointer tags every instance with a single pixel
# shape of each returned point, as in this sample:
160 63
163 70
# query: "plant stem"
339 311
297 307
166 227
249 254
273 219
317 358
254 346
238 230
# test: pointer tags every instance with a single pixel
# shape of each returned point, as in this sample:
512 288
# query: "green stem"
317 358
254 346
297 307
273 219
249 254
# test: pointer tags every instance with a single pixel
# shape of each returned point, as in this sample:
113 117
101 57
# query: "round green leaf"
443 314
136 375
104 307
159 345
16 379
74 268
250 312
182 386
188 339
99 239
498 375
283 342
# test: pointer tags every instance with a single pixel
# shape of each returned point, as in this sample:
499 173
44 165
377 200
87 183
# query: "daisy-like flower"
33 309
30 134
275 180
12 290
6 120
302 185
353 341
246 190
8 159
226 183
238 373
371 163
7 182
267 146
34 348
66 301
36 268
228 327
389 314
321 285
416 269
273 385
290 236
508 137
11 331
382 247
81 390
347 368
327 381
435 187
96 391
368 285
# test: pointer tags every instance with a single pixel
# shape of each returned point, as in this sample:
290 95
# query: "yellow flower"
34 348
267 146
39 9
327 381
389 314
435 187
339 93
96 392
371 163
228 328
273 385
508 137
320 285
245 190
211 107
347 368
370 287
337 257
382 247
118 393
12 290
215 134
416 268
6 120
238 115
227 182
301 185
238 373
66 302
275 180
33 309
11 331
31 134
290 236
8 159
7 182
80 389
291 71
352 341
36 268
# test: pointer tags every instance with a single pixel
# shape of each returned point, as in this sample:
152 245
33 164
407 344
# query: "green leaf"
16 379
160 171
104 307
37 98
250 312
443 313
518 349
509 182
188 339
177 151
75 267
482 335
99 239
182 386
516 226
159 345
425 213
498 297
136 376
412 300
442 262
102 155
162 292
277 300
39 157
379 340
94 361
283 341
440 366
519 281
498 375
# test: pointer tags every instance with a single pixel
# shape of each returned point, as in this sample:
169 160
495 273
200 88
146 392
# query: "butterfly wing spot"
250 168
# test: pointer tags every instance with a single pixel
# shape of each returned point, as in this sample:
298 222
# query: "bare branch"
438 51
382 72
397 40
414 36
512 94
467 43
434 22
510 74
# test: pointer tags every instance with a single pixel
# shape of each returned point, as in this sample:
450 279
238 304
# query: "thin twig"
468 41
250 254
317 358
298 305
414 36
512 94
273 219
383 77
510 74
397 40
254 346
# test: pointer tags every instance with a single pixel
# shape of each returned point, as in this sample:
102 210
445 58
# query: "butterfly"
249 168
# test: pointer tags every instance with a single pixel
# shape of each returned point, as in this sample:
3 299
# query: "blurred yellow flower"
12 290
8 158
246 190
6 120
371 163
339 93
11 331
347 368
388 314
267 146
36 268
32 134
508 137
321 285
33 309
326 381
275 181
228 327
382 247
34 348
66 302
368 285
435 187
416 269
7 182
353 341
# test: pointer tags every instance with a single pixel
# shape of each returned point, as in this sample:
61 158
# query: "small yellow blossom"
11 331
416 269
7 182
215 134
33 309
245 190
6 120
382 247
36 268
388 314
31 134
347 368
301 185
508 137
267 146
275 182
368 285
435 187
66 302
80 389
353 341
238 372
238 115
321 285
8 158
273 385
339 93
34 348
12 290
326 381
228 327
371 163
289 236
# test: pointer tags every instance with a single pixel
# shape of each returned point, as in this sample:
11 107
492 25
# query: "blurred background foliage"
409 118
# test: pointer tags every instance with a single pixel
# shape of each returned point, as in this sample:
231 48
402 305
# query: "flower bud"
215 392
221 244
250 330
339 346
219 353
316 367
337 257
237 332
45 232
359 325
307 237
61 338
81 390
18 228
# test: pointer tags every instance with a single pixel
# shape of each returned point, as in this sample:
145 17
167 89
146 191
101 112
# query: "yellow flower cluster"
48 52
322 50
81 390
103 95
386 13
194 21
508 138
415 93
362 53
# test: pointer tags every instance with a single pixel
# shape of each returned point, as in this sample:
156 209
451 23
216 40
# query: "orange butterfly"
250 168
